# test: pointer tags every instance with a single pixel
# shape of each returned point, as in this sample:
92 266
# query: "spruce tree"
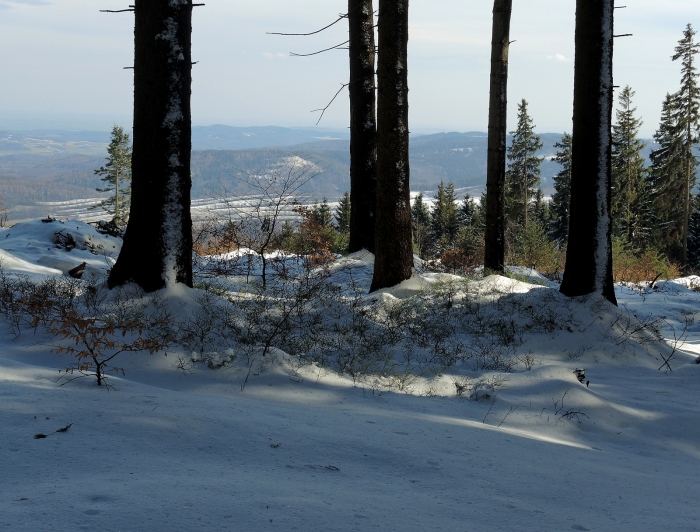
559 208
322 213
523 173
627 172
443 217
420 217
342 214
687 113
694 234
540 209
466 211
117 174
667 182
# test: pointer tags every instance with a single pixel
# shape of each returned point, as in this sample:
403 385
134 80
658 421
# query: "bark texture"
394 250
363 126
494 249
589 252
157 246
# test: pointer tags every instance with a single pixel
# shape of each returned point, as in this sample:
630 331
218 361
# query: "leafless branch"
336 47
342 16
131 8
512 409
323 110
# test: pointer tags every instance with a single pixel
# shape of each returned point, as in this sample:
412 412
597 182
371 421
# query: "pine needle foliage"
559 225
116 173
628 173
523 172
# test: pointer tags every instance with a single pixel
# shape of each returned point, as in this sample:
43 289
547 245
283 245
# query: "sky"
63 62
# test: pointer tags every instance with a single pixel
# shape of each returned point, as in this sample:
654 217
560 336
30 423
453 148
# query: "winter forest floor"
440 404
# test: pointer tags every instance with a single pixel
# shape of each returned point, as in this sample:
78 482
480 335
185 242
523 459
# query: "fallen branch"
41 436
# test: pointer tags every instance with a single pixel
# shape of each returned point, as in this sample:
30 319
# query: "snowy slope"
303 448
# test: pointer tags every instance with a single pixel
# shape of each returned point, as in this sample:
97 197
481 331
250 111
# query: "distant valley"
45 172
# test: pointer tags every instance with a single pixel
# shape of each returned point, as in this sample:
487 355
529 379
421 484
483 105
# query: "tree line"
603 190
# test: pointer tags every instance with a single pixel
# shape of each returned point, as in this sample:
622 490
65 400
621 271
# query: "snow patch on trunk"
172 208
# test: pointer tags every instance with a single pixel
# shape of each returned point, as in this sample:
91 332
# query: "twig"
509 412
337 46
560 408
329 103
490 407
342 16
41 436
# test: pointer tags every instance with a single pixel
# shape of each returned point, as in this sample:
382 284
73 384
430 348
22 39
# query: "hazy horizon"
63 62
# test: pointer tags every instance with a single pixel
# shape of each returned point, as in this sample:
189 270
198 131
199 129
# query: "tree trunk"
394 251
157 248
525 192
686 199
363 126
116 198
494 251
589 253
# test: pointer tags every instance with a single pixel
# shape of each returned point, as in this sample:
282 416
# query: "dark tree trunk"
394 252
494 249
589 252
363 126
157 248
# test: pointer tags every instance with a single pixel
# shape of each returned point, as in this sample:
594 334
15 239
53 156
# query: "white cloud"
273 55
558 57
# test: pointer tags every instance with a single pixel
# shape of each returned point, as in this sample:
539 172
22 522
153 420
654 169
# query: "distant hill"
219 137
40 166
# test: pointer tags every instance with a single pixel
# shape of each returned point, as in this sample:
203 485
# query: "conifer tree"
466 211
559 208
687 114
342 214
540 209
628 172
523 173
117 174
443 217
694 234
667 181
322 213
420 217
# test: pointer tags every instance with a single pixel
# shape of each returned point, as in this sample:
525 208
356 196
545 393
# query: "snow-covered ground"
300 447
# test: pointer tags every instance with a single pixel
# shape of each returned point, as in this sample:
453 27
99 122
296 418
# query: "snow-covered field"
300 447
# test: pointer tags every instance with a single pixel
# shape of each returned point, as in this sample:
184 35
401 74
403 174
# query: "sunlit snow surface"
307 450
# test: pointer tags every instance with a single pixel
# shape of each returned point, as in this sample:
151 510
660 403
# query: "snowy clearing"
466 412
